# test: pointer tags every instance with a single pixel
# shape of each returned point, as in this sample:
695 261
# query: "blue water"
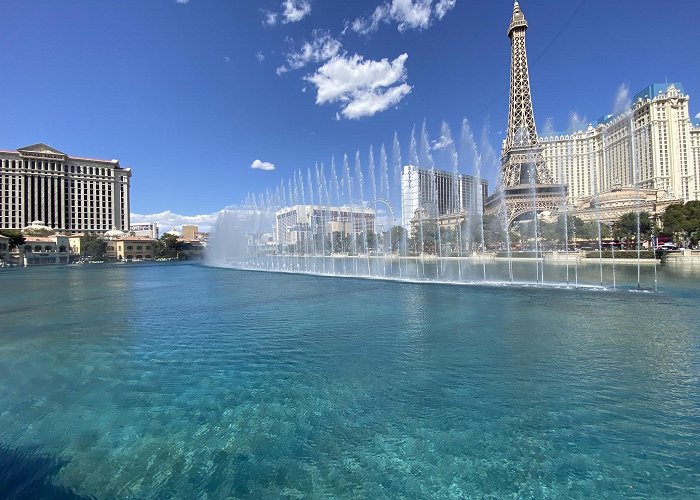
181 381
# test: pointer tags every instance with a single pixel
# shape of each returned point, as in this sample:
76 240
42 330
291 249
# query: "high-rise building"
70 194
301 223
651 145
437 193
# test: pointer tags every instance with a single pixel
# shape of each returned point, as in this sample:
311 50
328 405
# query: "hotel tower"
68 194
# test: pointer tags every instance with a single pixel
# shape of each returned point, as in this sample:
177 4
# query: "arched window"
47 248
37 248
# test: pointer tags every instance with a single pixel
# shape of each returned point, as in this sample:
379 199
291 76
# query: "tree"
494 231
15 235
674 219
425 236
585 230
398 233
93 247
167 247
682 221
626 226
372 240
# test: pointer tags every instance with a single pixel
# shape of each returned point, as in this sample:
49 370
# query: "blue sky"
190 93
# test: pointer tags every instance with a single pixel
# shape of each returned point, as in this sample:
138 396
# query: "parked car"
667 247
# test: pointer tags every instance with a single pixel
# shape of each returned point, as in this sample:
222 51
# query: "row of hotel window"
54 167
131 247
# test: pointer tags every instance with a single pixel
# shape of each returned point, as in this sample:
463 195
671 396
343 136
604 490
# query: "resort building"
4 250
436 194
189 232
43 250
300 223
146 229
75 243
128 248
652 146
69 194
191 249
609 206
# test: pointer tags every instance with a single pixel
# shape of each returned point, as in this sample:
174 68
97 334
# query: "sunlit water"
180 381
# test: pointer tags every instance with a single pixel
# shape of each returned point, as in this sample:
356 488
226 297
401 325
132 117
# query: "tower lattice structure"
528 186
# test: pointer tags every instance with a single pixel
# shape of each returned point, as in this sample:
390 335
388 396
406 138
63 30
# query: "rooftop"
648 92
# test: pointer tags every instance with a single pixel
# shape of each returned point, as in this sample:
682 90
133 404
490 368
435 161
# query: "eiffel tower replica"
528 188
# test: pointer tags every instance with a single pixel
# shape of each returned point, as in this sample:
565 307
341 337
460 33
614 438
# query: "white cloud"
182 1
410 15
363 87
407 14
227 59
292 12
442 7
365 26
262 165
321 48
368 103
697 116
269 18
168 220
295 10
260 56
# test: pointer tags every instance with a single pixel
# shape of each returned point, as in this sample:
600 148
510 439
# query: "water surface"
181 381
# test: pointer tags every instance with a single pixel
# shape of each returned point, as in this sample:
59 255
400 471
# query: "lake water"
182 381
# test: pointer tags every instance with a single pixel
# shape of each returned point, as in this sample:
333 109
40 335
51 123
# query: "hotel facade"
300 223
436 193
653 145
68 194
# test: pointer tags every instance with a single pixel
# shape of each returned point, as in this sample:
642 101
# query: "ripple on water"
261 385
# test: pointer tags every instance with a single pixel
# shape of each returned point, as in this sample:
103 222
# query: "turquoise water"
181 381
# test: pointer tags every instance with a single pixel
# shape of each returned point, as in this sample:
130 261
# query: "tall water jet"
402 244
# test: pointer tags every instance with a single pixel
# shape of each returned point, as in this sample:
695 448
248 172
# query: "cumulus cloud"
262 165
442 7
363 87
321 48
182 1
697 116
168 220
369 103
292 12
407 14
295 10
269 18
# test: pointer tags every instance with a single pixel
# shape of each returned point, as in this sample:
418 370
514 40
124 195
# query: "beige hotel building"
652 146
68 194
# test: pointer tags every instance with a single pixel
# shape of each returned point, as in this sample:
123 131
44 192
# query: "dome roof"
36 225
114 233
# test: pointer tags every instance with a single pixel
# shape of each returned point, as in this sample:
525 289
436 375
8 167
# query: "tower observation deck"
527 185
